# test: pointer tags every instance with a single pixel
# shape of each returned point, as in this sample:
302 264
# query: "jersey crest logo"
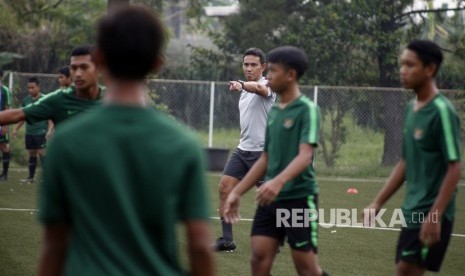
288 123
418 133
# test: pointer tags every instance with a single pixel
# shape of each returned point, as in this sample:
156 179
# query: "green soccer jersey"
430 142
58 106
5 97
123 177
298 123
39 127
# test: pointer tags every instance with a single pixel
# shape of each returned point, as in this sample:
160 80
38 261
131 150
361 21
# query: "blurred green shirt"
431 139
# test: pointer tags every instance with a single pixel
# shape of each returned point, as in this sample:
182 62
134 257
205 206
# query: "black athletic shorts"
35 142
240 163
302 236
411 250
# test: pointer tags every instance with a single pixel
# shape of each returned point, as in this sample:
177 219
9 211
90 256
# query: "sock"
6 162
227 230
32 166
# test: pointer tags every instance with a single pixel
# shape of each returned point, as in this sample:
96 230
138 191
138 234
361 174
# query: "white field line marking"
246 219
326 225
12 209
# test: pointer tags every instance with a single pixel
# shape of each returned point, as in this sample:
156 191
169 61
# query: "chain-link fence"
361 128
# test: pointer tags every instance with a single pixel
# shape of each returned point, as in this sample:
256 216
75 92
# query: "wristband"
242 83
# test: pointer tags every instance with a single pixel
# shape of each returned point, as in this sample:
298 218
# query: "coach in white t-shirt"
255 102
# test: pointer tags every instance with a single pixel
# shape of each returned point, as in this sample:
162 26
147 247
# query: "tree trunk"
392 110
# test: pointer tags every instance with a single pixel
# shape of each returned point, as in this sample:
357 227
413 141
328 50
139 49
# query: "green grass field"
342 251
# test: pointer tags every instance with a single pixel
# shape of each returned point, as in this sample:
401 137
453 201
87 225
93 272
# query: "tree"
353 42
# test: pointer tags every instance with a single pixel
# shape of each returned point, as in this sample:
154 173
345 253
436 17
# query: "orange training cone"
352 191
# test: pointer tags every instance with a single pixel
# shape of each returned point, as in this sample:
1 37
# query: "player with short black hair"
36 133
292 133
255 102
60 105
430 165
117 180
64 77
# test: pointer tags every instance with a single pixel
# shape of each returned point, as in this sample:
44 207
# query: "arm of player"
54 250
257 88
17 127
268 192
231 206
12 116
235 86
430 232
394 182
50 129
199 249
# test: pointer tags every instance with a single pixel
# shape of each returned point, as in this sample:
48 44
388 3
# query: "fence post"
10 83
212 106
315 95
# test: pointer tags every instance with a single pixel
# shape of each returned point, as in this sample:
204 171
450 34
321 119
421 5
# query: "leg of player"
407 269
263 253
32 165
306 263
5 148
226 241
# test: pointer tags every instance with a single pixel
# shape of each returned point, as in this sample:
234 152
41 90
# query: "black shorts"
4 139
411 250
240 163
302 237
34 142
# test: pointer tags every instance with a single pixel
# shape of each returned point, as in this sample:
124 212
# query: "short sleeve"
310 127
449 130
42 109
53 206
193 203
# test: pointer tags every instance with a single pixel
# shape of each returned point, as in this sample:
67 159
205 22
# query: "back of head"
428 52
130 40
255 52
291 57
83 50
34 80
1 73
64 71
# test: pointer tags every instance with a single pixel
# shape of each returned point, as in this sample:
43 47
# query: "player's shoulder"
5 89
443 104
305 103
51 96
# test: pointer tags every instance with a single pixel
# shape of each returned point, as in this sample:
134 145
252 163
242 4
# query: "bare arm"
394 182
231 206
255 87
50 129
253 176
251 87
431 229
12 116
17 127
54 250
448 186
199 249
268 192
